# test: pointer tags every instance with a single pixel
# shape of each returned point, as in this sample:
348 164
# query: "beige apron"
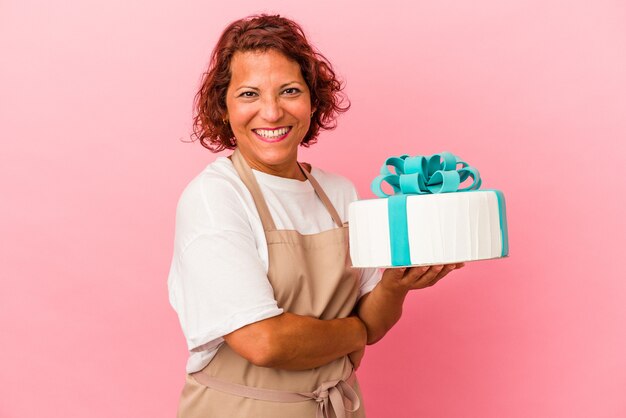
310 275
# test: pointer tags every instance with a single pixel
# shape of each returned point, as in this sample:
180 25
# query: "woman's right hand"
356 357
294 342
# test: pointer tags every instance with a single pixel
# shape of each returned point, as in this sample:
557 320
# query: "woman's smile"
272 134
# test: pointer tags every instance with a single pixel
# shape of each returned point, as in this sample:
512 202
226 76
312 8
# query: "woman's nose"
271 110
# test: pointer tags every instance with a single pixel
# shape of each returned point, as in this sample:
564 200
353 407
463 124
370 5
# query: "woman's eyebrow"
291 82
257 89
247 87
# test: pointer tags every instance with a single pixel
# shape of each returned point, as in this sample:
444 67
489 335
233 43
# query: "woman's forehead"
263 67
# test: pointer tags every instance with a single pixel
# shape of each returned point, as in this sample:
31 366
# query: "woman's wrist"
360 332
392 292
391 287
381 309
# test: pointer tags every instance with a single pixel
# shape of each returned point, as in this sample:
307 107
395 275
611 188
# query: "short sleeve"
217 282
369 279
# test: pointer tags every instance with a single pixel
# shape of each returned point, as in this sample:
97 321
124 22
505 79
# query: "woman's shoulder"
332 180
218 176
339 189
217 185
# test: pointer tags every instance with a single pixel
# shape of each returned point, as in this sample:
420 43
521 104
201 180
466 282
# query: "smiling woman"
269 110
276 318
265 34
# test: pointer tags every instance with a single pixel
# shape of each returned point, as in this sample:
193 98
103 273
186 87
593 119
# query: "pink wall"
94 97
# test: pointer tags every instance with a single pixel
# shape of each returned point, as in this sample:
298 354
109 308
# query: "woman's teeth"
272 134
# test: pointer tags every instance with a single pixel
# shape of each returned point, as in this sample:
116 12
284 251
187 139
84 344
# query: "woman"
275 318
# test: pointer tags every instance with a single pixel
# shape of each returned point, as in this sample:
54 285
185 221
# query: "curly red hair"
262 33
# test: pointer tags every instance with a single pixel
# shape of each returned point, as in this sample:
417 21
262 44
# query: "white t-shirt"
218 277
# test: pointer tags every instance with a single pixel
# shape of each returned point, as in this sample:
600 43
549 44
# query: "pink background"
95 98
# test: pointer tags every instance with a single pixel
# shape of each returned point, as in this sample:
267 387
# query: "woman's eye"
247 94
291 90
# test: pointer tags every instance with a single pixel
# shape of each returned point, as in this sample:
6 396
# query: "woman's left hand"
402 280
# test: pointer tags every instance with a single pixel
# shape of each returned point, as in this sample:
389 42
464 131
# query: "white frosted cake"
442 228
426 227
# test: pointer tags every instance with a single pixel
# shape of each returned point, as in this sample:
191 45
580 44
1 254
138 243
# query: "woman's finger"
414 273
444 272
395 274
446 269
425 276
428 276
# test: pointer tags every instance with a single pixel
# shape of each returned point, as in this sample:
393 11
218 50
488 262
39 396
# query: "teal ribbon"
504 229
438 173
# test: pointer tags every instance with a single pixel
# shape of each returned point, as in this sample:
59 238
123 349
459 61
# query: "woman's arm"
295 342
382 307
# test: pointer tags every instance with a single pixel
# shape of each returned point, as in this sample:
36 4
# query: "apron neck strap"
323 197
246 175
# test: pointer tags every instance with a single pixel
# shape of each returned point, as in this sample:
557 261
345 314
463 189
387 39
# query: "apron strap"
246 175
323 197
329 396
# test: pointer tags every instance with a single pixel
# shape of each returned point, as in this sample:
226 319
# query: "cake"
428 218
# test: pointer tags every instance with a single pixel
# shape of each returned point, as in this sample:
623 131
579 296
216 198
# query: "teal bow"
438 173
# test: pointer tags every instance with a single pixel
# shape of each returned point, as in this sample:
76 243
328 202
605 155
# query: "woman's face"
269 110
